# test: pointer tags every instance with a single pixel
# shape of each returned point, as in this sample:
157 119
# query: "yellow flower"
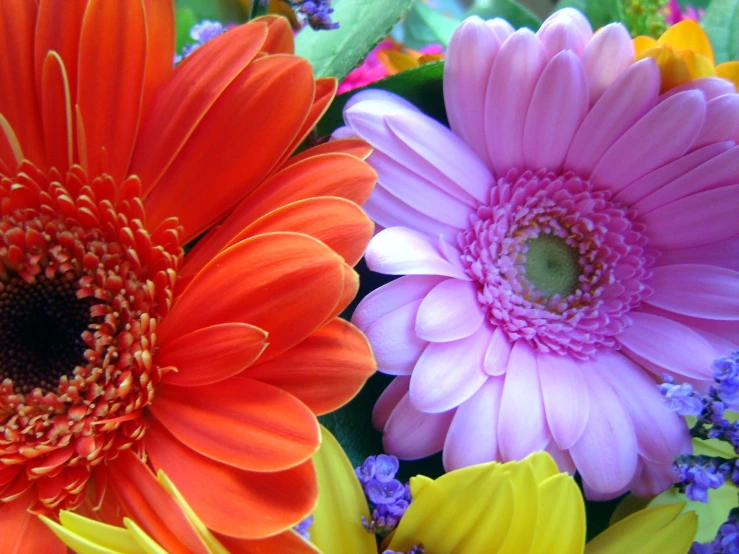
684 53
399 59
660 529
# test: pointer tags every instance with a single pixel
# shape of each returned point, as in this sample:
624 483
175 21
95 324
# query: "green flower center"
551 266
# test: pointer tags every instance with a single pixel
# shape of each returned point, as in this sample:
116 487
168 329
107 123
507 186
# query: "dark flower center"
41 326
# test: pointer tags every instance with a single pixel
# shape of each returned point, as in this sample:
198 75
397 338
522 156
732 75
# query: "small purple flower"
386 467
303 528
316 13
700 479
201 33
366 471
726 374
384 493
681 398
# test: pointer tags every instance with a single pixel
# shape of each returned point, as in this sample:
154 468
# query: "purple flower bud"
206 30
384 493
303 527
366 471
682 398
386 467
398 508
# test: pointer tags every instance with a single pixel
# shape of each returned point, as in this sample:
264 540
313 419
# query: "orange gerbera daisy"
115 348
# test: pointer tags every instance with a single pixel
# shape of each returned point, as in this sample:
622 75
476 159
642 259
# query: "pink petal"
472 437
662 135
514 75
562 458
450 155
668 344
724 253
606 454
501 28
391 101
711 87
722 120
387 210
410 434
664 176
522 426
565 395
388 400
696 290
449 312
719 170
419 193
401 251
695 220
448 373
558 106
660 432
469 59
497 353
394 341
565 29
606 56
392 296
651 479
622 104
368 119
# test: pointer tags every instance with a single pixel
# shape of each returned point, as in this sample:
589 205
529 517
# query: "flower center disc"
41 326
551 265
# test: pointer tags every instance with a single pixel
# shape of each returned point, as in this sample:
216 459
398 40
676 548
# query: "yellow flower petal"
643 43
87 536
730 71
211 543
560 526
395 61
673 68
698 65
337 525
543 465
525 511
688 35
147 544
658 529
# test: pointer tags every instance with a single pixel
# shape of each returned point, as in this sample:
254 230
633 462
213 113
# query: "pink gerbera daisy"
572 238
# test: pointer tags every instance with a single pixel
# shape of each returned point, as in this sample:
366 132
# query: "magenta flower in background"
571 237
675 14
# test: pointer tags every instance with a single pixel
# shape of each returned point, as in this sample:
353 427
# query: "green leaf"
184 20
362 24
225 11
598 12
513 12
440 25
421 86
721 22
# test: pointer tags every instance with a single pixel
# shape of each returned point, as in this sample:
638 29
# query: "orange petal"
18 100
211 354
160 46
184 99
324 175
58 29
348 293
56 111
284 283
110 83
337 222
257 116
22 532
729 71
240 422
642 43
229 500
147 503
288 542
325 92
280 35
353 146
325 371
688 35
